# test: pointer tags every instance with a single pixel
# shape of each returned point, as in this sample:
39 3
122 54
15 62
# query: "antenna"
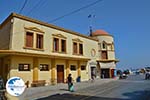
91 16
91 31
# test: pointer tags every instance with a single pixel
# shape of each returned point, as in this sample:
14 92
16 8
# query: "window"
59 45
63 45
24 67
72 67
83 67
39 41
104 55
80 49
56 44
44 67
29 39
104 45
34 40
75 48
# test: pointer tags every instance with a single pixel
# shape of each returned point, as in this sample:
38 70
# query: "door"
104 55
60 73
112 73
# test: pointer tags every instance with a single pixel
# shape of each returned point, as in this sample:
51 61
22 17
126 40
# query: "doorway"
60 73
112 73
105 73
93 72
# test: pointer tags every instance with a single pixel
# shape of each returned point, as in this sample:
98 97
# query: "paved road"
132 88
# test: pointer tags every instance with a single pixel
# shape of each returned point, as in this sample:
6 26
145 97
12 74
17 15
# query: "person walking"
2 89
1 83
70 83
92 77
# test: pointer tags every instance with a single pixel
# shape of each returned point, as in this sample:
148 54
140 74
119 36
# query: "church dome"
99 32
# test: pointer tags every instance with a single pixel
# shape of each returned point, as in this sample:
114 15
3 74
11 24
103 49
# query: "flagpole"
90 16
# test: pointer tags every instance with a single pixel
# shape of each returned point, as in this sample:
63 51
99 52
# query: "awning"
93 63
107 65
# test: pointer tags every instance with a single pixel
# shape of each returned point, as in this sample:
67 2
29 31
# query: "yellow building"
34 50
106 52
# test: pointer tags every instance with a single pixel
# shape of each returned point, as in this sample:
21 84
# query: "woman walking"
70 83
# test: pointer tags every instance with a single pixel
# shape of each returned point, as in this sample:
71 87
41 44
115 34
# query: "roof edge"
103 35
6 20
42 23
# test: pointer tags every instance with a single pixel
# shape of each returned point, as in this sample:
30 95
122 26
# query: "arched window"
104 45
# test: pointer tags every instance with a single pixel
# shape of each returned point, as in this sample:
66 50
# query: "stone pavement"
40 92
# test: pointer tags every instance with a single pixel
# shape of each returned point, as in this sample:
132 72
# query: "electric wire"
89 5
23 6
75 11
38 4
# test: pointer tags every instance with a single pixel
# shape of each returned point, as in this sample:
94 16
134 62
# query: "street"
132 88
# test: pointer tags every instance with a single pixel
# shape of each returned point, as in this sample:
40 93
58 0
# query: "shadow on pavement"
138 95
68 96
64 89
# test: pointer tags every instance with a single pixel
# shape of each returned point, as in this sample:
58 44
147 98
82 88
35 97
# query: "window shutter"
29 39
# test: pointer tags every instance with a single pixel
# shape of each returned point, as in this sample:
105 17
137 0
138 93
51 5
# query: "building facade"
34 50
106 52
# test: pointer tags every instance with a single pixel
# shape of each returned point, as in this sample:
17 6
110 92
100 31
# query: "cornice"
107 60
59 36
17 53
44 24
34 29
76 40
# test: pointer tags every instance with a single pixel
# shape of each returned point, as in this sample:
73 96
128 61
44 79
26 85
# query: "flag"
89 16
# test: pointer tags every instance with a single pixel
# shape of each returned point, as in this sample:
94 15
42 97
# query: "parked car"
147 75
123 76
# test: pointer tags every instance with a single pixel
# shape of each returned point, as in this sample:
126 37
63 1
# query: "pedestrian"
93 76
147 75
1 83
70 83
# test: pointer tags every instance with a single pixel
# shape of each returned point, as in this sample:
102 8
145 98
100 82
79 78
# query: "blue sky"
127 20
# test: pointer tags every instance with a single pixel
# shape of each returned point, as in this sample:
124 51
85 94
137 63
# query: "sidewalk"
39 92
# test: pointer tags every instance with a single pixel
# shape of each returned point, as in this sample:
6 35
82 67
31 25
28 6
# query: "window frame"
23 69
80 48
63 46
34 39
27 40
45 67
84 67
59 45
56 44
73 67
39 41
102 55
75 48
